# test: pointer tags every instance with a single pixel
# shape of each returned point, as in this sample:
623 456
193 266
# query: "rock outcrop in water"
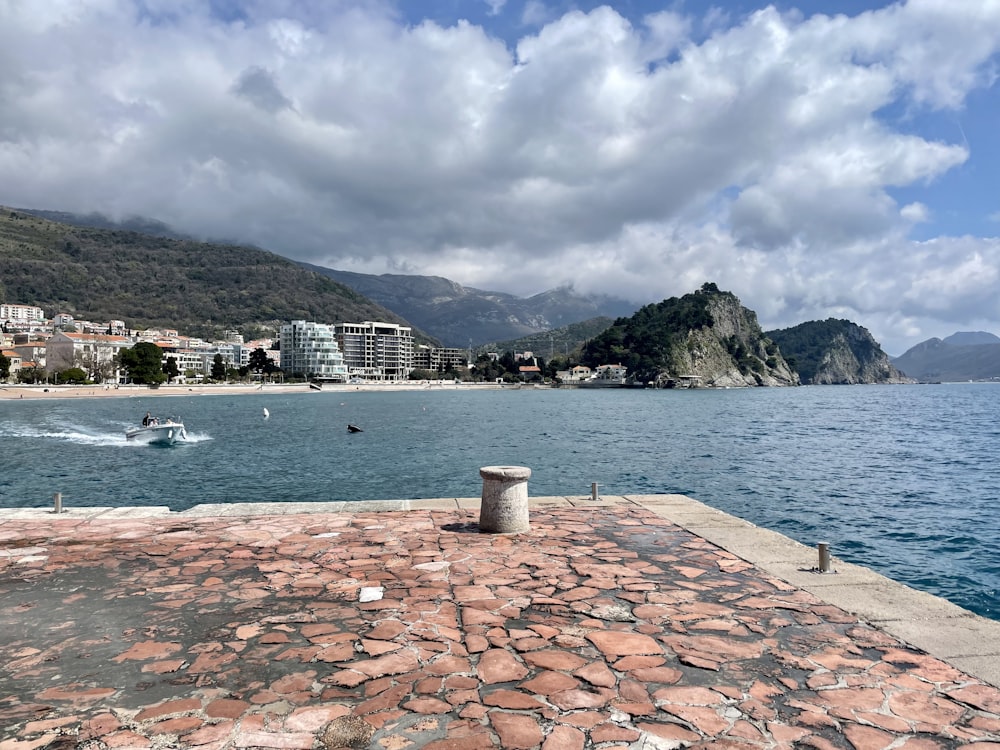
836 352
702 339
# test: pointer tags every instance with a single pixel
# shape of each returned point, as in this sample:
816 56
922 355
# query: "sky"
816 158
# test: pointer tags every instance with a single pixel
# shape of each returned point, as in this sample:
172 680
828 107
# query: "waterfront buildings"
374 351
438 359
94 353
369 350
310 350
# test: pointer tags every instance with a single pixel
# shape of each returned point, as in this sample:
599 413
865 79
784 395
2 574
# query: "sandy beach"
9 392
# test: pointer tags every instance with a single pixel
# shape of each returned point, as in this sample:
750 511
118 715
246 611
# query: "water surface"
902 479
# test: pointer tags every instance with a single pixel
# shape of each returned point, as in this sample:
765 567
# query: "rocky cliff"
836 352
702 339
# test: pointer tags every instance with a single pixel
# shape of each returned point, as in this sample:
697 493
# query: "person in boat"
147 420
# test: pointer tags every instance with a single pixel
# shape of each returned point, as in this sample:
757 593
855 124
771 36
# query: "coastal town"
40 348
36 349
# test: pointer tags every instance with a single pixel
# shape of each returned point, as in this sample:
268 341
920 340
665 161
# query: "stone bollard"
504 507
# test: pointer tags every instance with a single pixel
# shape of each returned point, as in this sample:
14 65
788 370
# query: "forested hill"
564 341
835 352
706 335
198 288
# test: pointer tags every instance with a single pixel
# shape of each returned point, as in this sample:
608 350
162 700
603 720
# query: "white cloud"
495 6
625 157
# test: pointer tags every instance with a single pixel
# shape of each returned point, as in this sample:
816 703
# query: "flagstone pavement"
605 627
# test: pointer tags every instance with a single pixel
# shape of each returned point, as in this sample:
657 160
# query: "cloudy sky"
817 158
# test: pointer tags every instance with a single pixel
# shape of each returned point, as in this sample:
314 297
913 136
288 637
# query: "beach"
11 392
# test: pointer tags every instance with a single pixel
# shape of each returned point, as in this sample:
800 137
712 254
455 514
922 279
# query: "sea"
903 479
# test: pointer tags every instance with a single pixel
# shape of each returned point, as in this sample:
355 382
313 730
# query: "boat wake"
69 434
82 435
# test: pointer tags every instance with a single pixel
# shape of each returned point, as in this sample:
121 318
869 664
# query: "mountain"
458 315
148 280
564 341
971 338
100 221
707 334
835 352
937 360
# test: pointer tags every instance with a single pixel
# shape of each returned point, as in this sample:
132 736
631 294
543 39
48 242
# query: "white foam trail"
69 434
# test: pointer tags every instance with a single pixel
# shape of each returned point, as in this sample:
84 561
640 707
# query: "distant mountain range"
966 355
145 273
461 316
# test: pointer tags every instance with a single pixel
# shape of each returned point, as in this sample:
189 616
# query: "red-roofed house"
15 360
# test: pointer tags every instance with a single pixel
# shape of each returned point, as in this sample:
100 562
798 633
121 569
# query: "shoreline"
25 392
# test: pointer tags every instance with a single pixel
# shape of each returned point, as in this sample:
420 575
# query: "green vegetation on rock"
707 338
832 351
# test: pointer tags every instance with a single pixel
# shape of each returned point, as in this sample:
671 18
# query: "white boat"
167 433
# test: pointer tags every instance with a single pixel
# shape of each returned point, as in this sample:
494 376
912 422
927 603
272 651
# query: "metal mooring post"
824 557
593 490
57 498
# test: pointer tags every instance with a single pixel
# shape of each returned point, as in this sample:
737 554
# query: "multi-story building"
93 353
31 351
18 313
438 359
189 361
310 350
376 351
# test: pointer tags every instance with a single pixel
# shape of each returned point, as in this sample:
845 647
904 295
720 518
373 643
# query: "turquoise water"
902 479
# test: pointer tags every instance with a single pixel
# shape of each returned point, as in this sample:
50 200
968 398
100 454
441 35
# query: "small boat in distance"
354 428
155 432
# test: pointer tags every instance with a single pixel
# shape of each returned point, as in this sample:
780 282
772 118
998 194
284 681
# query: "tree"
218 368
73 375
4 367
31 375
258 361
170 368
143 363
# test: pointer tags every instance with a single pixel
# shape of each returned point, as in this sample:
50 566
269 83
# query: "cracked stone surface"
604 627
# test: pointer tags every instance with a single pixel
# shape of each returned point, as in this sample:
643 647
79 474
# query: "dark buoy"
354 428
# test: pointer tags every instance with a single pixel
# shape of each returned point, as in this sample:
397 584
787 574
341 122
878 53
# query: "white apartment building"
92 352
375 351
18 313
310 350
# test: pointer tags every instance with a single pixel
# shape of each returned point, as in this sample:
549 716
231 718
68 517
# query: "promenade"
625 623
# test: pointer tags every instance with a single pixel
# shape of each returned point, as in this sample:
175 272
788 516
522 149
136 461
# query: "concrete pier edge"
965 640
